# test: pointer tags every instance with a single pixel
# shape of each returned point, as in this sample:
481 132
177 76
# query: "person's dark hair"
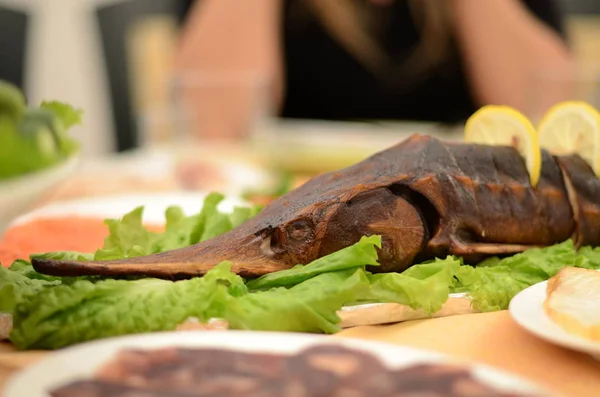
354 25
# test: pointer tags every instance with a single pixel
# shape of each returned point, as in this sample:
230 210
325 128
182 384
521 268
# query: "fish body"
426 198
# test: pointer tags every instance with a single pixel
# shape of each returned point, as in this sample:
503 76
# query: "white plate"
82 360
19 193
527 309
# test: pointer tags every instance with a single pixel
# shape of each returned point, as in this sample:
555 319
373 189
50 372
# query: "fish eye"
299 230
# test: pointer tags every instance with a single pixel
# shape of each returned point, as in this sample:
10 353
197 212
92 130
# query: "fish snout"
245 251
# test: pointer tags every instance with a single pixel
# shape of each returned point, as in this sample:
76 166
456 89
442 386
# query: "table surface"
490 338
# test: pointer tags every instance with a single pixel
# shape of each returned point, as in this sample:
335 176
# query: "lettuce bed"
53 312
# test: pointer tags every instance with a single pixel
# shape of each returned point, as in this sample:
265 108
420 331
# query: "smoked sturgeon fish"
426 198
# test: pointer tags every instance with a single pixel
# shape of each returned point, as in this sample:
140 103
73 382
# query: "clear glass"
207 107
218 106
206 127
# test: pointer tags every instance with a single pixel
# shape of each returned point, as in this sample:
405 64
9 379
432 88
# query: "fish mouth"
248 254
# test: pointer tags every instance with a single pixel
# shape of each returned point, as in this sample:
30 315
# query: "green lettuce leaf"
22 154
589 258
310 306
182 230
16 286
494 282
20 280
213 222
242 214
361 254
425 286
65 256
33 138
83 311
65 113
128 237
178 230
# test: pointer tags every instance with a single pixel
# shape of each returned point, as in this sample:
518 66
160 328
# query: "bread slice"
573 301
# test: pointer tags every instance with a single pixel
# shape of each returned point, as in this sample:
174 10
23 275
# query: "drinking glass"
220 106
206 128
207 107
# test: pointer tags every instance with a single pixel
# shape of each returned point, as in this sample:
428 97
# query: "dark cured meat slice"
320 371
187 370
158 365
332 369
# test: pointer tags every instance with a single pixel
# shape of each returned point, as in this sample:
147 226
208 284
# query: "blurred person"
428 60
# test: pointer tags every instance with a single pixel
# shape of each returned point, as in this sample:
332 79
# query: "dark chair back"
116 22
13 45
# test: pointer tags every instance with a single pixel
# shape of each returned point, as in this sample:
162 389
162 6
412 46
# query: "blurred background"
113 59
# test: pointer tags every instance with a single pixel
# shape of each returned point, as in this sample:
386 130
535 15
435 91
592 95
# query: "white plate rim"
116 205
34 380
526 308
55 171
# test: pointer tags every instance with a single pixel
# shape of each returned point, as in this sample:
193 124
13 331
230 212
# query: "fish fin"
462 248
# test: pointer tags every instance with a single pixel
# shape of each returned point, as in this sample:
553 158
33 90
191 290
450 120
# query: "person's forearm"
234 35
504 48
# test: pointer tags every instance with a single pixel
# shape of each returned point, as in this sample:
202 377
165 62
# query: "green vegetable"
65 114
35 138
127 238
494 282
66 314
65 256
424 286
16 286
310 306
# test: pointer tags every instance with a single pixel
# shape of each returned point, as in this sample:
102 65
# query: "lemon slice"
572 127
505 126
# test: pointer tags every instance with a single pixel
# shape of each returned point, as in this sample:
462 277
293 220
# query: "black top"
323 81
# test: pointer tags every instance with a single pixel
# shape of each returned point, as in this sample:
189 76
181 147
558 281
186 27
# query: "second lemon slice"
572 128
505 126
